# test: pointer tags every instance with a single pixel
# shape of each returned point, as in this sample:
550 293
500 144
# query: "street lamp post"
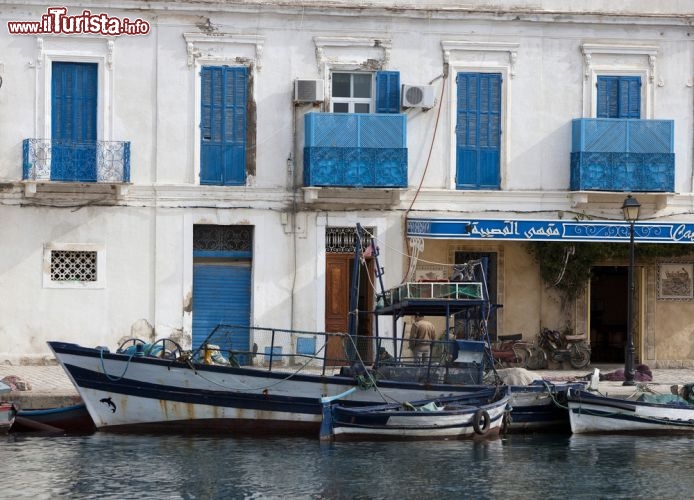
631 213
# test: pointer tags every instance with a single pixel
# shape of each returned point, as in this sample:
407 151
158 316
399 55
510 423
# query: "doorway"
464 323
338 283
608 314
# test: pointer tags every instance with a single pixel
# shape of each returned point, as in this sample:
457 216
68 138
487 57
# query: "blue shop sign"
546 230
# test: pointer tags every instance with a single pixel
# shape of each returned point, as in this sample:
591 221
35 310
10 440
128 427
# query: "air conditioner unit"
417 96
309 91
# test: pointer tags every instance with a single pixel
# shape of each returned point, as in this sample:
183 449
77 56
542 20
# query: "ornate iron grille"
95 161
222 238
343 239
71 265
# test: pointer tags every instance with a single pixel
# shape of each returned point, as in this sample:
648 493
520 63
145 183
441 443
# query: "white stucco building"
163 163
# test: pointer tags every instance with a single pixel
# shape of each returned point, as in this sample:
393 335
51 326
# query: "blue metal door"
73 121
478 130
221 294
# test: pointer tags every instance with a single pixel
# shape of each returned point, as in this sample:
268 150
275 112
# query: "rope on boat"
103 367
368 381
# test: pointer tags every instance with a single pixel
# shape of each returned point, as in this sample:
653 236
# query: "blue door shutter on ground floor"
223 125
74 88
221 294
478 130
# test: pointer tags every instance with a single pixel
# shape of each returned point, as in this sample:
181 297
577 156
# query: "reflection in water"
535 466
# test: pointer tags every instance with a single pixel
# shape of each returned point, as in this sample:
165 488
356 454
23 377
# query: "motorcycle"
552 345
510 351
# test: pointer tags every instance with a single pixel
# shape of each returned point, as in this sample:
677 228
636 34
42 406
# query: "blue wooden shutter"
478 130
619 97
630 97
74 88
74 100
223 125
387 92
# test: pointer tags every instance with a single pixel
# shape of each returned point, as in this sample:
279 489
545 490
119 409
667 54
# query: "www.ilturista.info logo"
56 21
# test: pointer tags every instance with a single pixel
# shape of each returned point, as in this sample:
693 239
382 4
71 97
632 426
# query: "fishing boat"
7 416
455 417
594 413
7 410
63 419
273 393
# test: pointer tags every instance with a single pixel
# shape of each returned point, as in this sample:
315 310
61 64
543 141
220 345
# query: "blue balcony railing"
355 150
614 154
69 161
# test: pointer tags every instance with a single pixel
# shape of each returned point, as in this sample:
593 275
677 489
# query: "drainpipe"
291 168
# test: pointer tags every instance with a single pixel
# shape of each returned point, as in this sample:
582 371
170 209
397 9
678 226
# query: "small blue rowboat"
453 417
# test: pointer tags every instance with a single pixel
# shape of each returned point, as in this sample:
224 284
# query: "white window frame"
480 57
601 59
82 49
351 54
218 50
351 101
75 247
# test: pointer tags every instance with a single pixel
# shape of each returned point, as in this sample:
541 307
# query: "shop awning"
549 230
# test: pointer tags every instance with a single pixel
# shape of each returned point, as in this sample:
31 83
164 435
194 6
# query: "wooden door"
338 283
337 278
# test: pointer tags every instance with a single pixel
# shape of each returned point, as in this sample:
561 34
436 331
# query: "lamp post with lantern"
631 209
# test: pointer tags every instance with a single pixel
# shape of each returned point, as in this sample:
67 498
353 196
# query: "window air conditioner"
308 91
417 96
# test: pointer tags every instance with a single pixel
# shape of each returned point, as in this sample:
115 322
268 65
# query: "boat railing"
431 290
284 350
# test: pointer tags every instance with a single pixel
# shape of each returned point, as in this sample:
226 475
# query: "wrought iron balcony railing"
614 154
69 161
355 150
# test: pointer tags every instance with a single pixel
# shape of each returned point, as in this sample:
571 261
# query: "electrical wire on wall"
412 256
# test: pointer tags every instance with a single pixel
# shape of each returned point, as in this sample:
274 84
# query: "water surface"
120 466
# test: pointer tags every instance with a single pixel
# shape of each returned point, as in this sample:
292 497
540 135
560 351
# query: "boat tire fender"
480 422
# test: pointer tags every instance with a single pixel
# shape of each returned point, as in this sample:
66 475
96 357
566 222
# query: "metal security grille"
72 265
342 239
222 238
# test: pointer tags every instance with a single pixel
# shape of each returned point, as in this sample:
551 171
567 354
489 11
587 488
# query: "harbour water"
540 466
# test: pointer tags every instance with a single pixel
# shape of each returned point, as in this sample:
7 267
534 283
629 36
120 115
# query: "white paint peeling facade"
550 55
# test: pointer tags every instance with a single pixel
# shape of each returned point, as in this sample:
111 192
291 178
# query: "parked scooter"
553 345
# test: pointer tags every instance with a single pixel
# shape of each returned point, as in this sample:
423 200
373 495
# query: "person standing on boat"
421 335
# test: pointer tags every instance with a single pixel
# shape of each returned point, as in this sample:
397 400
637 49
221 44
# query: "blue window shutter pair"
74 92
478 130
619 97
224 94
74 101
388 92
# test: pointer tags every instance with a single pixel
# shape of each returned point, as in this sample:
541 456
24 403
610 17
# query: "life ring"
480 422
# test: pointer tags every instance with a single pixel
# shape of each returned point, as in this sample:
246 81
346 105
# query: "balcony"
355 150
627 155
83 162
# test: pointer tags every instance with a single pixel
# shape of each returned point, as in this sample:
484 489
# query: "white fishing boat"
455 417
594 413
